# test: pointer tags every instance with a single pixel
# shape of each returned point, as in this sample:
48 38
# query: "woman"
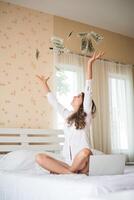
77 149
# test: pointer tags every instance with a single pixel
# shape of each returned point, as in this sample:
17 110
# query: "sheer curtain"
113 92
112 129
74 63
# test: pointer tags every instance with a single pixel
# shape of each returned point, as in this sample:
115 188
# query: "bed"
24 179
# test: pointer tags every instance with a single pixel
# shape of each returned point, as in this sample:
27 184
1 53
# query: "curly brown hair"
78 118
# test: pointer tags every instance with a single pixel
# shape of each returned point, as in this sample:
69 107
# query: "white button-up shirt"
75 139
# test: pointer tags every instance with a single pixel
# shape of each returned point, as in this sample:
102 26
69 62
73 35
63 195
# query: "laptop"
109 164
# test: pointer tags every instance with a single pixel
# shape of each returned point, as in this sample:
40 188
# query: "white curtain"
113 93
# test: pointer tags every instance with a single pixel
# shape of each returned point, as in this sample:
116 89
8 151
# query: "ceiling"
113 15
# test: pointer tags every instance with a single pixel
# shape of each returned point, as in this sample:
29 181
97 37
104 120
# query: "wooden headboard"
31 139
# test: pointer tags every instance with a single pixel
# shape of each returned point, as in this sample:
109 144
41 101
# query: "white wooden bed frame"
31 139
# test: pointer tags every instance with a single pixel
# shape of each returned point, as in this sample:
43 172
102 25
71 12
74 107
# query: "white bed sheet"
123 195
37 184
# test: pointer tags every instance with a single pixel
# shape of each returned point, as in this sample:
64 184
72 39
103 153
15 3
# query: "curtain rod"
114 61
104 59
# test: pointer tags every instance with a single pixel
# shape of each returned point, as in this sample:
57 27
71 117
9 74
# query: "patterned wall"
24 34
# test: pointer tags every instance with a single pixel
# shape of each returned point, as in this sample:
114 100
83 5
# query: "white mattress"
37 184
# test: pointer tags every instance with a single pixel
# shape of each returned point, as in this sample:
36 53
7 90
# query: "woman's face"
77 100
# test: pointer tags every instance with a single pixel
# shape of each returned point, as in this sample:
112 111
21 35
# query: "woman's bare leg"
85 170
81 161
52 164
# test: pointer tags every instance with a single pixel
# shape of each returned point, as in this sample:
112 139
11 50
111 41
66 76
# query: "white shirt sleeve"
64 112
88 99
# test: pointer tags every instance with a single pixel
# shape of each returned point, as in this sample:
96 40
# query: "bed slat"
33 139
32 147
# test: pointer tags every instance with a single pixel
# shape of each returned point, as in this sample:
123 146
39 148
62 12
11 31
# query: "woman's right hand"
43 79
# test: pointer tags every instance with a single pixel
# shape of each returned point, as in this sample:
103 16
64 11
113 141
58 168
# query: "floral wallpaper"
24 52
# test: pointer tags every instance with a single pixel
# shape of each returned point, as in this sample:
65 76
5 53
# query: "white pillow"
19 159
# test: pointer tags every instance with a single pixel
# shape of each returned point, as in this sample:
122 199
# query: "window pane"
66 88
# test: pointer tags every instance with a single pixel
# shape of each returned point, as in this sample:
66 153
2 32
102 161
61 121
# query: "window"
68 83
118 112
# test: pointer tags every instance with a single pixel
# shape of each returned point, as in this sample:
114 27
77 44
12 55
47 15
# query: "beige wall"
22 101
116 46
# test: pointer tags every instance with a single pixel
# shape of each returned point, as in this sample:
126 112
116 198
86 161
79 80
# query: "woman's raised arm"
91 60
88 86
52 99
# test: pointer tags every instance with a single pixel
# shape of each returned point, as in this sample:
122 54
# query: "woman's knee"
86 152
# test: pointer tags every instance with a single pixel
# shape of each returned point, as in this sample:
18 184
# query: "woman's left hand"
95 56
